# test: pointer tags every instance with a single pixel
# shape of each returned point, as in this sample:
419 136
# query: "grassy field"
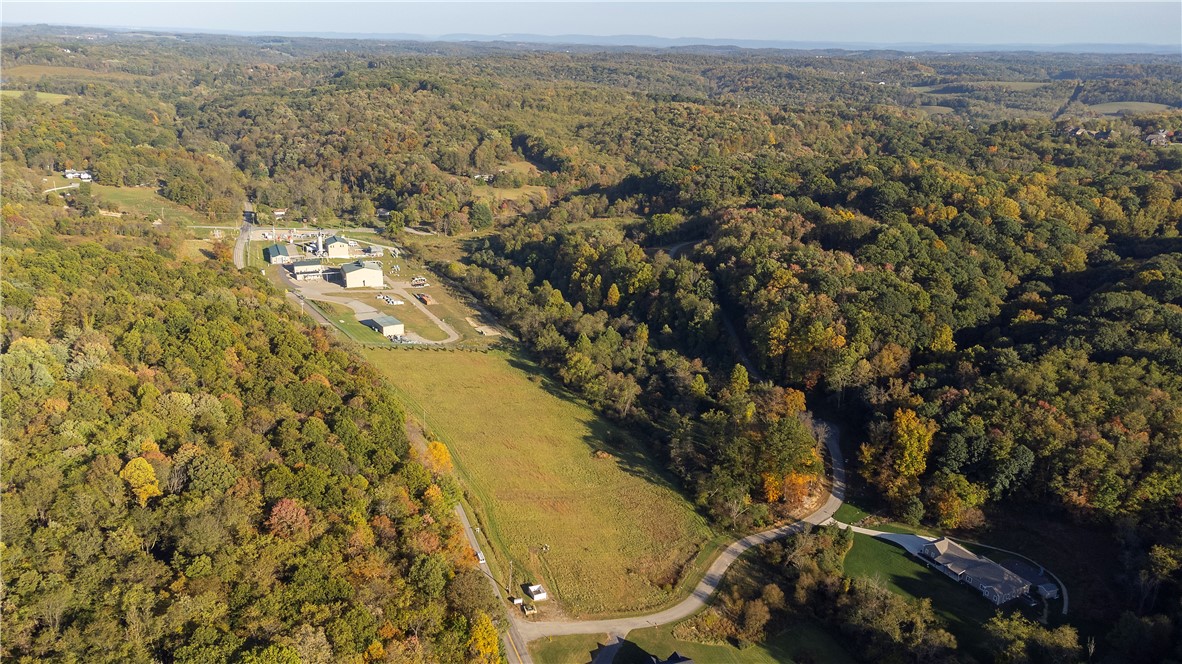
572 649
941 89
1117 107
802 642
494 195
145 201
937 110
51 71
607 535
197 249
45 97
964 609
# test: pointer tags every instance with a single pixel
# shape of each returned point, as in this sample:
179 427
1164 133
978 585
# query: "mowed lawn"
963 608
801 642
619 537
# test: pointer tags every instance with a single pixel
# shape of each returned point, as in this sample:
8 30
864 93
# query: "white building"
310 269
363 274
537 593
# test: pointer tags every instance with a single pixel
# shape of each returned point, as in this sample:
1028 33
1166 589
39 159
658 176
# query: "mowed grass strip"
619 536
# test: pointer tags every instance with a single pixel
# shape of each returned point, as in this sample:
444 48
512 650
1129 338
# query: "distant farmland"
607 534
46 97
1117 107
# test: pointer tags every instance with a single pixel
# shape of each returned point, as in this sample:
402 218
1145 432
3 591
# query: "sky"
1037 22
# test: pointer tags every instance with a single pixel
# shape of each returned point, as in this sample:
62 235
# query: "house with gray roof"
998 584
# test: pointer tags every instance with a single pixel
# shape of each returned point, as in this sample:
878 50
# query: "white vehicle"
395 302
352 243
480 556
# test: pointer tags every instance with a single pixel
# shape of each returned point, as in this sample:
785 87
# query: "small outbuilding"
537 593
362 274
1048 591
387 326
278 254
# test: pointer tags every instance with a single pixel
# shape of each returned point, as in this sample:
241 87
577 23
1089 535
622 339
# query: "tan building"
363 274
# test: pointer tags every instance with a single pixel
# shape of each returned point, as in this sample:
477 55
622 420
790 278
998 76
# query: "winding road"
522 631
709 584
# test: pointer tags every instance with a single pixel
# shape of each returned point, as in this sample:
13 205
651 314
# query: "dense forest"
192 475
987 300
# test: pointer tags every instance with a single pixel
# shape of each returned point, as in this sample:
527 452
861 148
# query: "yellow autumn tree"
141 477
483 644
613 296
439 457
772 484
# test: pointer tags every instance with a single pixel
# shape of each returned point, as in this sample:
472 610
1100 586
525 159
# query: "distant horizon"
959 26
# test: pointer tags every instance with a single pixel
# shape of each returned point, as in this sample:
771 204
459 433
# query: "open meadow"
146 202
1119 107
565 498
43 97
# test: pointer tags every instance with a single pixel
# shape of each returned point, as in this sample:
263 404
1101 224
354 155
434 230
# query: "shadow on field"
628 453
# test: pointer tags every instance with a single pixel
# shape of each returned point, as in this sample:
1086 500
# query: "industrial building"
362 274
278 254
387 326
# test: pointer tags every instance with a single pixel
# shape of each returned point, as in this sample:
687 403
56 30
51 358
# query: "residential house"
998 584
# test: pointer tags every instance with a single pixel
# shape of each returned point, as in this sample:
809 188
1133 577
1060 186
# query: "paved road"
515 649
709 583
240 246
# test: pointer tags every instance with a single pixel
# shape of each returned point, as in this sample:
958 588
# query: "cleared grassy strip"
1116 107
963 608
146 202
51 98
609 534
